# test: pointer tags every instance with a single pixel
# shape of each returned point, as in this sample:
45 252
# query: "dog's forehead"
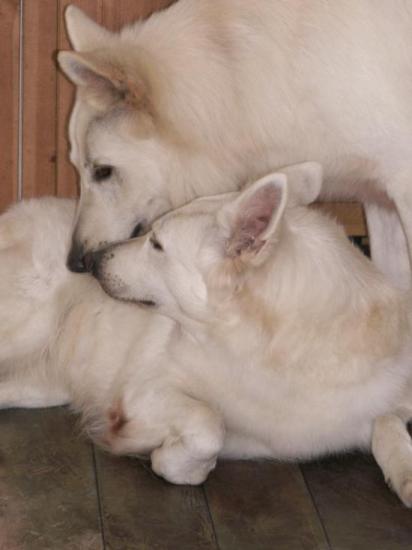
103 136
193 222
184 231
110 143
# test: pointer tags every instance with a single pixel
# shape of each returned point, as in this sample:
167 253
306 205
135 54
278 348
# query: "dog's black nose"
77 260
95 262
89 261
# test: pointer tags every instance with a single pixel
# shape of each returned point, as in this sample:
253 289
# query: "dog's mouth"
117 289
117 294
145 303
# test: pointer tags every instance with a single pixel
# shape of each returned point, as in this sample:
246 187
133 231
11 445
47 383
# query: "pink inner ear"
254 217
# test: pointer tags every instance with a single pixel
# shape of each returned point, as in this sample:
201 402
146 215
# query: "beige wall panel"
9 100
39 98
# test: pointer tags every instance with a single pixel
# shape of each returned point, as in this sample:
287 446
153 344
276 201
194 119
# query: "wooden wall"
35 99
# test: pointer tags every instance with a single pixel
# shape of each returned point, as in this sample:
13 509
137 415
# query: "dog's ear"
304 182
94 78
102 84
84 33
251 220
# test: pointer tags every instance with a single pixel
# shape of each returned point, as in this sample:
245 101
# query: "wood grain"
142 511
39 98
9 104
48 497
262 505
357 508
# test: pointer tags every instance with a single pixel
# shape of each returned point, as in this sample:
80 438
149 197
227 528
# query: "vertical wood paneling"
39 98
66 177
9 100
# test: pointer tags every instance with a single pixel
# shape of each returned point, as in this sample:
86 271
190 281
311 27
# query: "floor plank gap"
98 492
316 508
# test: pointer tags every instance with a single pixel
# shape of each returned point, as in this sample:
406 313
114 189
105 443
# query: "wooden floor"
57 492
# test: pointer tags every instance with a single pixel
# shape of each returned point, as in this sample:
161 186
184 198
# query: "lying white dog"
269 335
209 94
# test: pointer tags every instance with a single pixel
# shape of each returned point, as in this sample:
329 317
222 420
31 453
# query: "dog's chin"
113 288
119 291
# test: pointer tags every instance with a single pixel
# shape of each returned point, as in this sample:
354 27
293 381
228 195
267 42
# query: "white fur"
234 89
273 336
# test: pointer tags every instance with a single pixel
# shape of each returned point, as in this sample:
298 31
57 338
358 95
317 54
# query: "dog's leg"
30 391
189 453
392 449
182 435
388 245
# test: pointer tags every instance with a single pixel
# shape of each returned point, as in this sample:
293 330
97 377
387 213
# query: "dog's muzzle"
96 262
78 261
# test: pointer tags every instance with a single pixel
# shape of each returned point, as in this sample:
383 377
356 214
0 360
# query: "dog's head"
193 254
122 142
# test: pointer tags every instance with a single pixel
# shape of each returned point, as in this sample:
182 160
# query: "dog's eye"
137 231
103 172
155 243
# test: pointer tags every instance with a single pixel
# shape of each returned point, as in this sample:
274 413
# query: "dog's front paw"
182 472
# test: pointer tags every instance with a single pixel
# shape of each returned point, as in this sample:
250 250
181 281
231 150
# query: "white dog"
269 335
209 94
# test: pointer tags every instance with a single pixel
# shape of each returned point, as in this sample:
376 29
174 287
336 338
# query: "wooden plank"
357 508
9 104
48 496
39 99
349 214
262 505
66 174
142 511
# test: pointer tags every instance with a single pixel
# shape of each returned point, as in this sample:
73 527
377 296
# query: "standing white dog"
208 94
269 334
